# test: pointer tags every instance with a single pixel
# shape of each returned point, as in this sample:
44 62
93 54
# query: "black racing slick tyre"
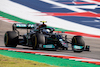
38 39
78 41
42 39
10 39
34 41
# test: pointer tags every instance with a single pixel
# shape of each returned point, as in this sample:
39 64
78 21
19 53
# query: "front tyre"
10 39
78 44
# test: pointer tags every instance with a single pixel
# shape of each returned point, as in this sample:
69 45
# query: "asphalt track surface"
94 43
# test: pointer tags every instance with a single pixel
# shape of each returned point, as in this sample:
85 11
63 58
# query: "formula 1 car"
41 37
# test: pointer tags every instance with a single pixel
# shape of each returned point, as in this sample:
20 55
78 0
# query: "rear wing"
22 26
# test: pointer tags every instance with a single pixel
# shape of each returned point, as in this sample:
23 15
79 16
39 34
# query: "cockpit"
46 30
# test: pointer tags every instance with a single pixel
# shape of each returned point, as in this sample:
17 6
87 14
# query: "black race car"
42 37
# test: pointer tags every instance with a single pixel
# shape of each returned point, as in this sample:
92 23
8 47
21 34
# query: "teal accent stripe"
47 59
49 46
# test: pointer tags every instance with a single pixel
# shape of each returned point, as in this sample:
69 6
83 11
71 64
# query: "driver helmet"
43 26
45 31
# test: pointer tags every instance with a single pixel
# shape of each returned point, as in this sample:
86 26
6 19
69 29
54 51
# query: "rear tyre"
78 40
38 39
10 39
42 39
34 41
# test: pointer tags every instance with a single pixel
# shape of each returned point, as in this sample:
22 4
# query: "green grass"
16 62
44 59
